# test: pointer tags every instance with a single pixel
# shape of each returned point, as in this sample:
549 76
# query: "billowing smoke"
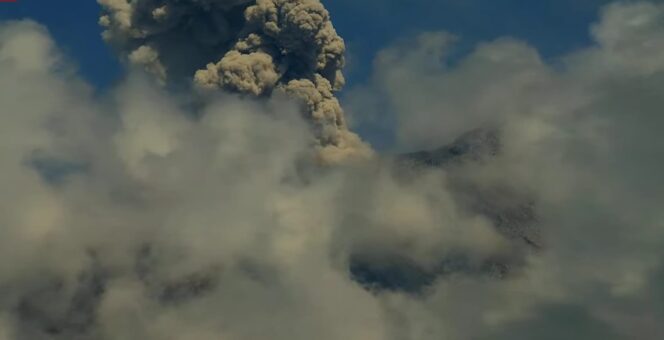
243 46
132 217
132 214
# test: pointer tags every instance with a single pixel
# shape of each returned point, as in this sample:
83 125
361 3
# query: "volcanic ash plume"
243 46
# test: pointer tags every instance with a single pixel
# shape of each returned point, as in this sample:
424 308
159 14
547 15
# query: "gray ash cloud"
248 47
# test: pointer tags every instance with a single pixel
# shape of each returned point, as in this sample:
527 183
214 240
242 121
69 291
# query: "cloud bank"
139 215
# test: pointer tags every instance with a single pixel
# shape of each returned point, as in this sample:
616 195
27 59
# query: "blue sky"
553 26
76 31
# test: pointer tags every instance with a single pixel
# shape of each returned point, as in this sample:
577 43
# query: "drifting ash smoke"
132 217
249 47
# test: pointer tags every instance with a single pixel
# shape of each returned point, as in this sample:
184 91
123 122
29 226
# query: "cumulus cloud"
144 213
581 137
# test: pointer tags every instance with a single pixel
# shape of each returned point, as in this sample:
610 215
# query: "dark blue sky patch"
55 171
399 274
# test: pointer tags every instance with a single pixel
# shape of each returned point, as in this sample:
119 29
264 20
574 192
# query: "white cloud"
182 216
581 136
146 199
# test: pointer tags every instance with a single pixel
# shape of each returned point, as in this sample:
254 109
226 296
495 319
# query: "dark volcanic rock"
476 145
512 212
